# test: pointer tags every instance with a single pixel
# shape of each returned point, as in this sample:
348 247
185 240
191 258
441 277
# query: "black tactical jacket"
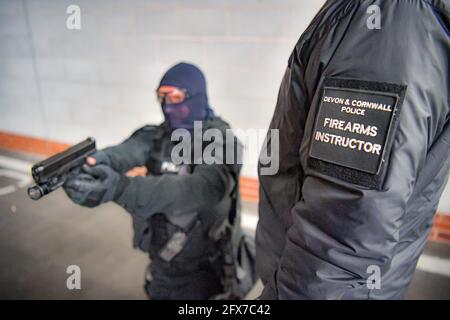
171 196
363 119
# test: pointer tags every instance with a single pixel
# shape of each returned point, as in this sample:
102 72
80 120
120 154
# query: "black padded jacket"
363 120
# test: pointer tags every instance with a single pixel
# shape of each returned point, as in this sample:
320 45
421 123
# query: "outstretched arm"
176 194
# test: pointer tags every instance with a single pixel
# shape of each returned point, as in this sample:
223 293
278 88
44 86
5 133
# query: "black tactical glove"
95 185
101 157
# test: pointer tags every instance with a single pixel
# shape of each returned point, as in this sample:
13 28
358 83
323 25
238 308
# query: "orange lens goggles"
174 96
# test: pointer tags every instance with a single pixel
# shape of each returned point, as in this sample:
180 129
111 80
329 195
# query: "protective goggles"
172 97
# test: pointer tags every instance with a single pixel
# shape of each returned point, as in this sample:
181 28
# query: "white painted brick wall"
65 84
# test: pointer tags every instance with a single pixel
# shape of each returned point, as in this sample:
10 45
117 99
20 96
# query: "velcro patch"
354 128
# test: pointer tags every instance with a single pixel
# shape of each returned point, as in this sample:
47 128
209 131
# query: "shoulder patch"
354 130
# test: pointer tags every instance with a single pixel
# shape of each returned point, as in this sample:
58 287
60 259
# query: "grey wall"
66 84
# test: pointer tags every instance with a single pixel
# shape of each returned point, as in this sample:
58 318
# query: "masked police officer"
363 119
176 208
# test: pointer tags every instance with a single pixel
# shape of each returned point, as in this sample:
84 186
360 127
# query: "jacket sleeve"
337 230
133 152
176 194
278 193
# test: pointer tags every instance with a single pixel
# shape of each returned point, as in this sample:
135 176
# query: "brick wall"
64 85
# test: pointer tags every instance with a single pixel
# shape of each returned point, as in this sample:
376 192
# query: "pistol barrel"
50 173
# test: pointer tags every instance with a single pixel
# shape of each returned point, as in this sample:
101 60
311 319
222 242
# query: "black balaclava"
195 107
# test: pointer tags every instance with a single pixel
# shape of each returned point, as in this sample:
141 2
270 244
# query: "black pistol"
51 173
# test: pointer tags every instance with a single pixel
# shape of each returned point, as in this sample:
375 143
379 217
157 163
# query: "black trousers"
164 282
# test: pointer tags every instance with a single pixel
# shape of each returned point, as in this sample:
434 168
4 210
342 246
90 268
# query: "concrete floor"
40 239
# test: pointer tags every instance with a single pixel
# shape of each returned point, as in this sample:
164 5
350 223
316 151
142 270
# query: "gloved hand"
98 157
95 185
